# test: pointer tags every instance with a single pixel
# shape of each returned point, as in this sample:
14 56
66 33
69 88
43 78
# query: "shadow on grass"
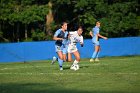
44 88
47 88
36 88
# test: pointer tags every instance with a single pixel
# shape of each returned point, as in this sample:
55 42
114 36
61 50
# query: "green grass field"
110 75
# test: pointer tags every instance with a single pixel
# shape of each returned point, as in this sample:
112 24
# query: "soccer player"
95 40
60 37
75 37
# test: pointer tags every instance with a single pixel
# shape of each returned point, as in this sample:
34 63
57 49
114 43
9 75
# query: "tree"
118 18
32 14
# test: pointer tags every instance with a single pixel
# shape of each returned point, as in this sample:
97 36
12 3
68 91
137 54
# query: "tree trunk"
49 19
18 32
26 34
0 26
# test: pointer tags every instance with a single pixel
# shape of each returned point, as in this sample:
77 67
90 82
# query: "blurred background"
37 20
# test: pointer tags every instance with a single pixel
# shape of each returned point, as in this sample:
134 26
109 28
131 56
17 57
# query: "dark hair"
80 27
63 23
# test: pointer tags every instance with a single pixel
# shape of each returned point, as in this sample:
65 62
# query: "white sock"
75 62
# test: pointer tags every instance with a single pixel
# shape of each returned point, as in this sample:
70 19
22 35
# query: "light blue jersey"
65 43
60 45
95 38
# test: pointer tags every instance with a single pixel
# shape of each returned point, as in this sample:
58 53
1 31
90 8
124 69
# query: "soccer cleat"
97 59
91 60
61 69
53 60
77 67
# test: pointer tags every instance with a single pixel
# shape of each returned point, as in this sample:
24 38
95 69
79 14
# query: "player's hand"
105 38
60 38
82 45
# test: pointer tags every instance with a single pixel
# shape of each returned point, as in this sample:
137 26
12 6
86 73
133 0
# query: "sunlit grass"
110 75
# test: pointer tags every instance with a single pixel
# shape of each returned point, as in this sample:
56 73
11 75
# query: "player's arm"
91 34
55 37
81 41
72 33
101 36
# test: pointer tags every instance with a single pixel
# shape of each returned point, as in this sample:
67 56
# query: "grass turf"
110 75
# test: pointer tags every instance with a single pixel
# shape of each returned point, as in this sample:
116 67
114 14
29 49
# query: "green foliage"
28 40
138 22
61 1
1 34
38 35
22 11
2 39
118 18
34 13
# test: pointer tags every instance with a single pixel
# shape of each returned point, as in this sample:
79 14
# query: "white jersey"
73 39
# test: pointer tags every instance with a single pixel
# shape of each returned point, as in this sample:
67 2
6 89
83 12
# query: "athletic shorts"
58 48
65 50
95 42
61 48
72 48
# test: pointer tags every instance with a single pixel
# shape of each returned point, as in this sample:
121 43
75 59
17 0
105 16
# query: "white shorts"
72 48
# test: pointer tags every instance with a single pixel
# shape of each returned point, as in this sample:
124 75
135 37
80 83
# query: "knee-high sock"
97 54
94 54
60 61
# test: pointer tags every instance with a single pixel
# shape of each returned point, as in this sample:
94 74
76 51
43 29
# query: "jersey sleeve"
66 34
57 33
72 33
81 40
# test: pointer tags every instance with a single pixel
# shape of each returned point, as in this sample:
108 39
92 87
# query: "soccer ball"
53 60
74 67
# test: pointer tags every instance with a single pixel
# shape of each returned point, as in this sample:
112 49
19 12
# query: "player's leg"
60 59
57 49
70 50
96 49
76 61
77 55
69 57
97 56
59 52
65 57
65 54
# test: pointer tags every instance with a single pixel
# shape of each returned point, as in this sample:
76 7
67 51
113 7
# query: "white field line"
26 67
44 73
121 59
76 73
12 68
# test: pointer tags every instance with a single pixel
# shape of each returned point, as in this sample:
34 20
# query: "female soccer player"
60 37
95 40
75 37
